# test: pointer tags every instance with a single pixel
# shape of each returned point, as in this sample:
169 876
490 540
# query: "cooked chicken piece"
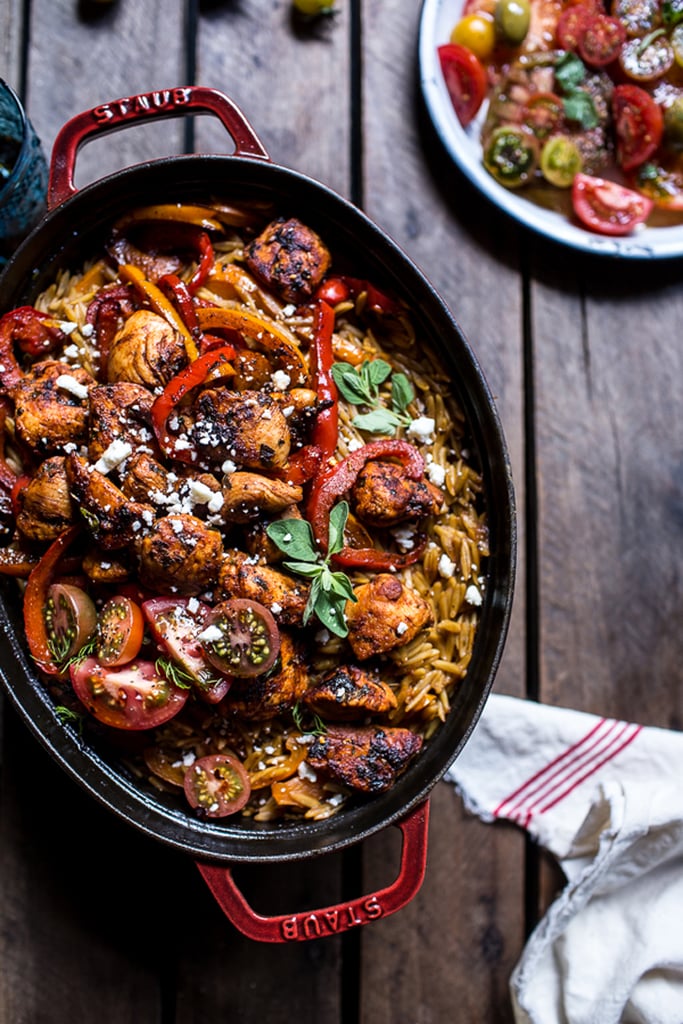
123 412
368 758
253 371
271 695
349 692
179 555
100 567
383 495
146 479
248 428
284 596
112 520
248 496
147 351
386 615
258 542
51 407
46 508
289 258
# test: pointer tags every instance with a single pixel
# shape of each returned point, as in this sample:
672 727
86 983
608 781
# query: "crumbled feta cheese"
72 351
117 451
322 636
436 473
287 412
304 771
68 383
473 595
216 502
446 567
276 608
404 537
281 380
87 330
335 799
289 310
70 446
354 444
210 634
402 628
422 428
228 466
200 493
67 327
192 605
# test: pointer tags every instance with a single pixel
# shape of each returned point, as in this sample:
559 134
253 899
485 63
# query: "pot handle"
118 114
316 924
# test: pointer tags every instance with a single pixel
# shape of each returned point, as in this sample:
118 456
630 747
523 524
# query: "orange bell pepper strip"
264 332
185 213
160 304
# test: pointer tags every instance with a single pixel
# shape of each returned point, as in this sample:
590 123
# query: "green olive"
512 19
673 124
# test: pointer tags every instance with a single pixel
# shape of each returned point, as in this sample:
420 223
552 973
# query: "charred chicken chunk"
273 694
46 508
348 692
383 495
252 370
258 542
121 411
146 479
386 615
146 351
367 758
289 258
179 555
101 567
249 496
112 520
51 407
248 428
284 596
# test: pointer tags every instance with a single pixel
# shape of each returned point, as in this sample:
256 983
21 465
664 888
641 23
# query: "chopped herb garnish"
175 673
570 73
360 386
317 726
329 590
67 716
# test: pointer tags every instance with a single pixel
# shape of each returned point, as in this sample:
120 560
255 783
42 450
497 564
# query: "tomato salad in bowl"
577 105
238 502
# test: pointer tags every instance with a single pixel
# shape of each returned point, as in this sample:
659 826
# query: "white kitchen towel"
606 798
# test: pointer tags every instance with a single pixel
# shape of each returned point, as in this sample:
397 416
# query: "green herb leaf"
402 392
329 607
295 538
309 569
351 385
341 584
338 517
379 421
579 107
377 371
570 72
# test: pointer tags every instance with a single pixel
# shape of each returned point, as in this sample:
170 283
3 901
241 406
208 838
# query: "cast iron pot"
72 230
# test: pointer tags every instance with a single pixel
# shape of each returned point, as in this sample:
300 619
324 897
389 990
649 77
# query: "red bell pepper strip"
35 598
104 313
301 467
36 335
339 479
326 431
207 260
179 293
340 289
189 377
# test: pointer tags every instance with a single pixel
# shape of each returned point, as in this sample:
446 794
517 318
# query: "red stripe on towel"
556 780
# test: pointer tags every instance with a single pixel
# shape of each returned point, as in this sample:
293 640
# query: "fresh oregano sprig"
570 73
360 386
330 590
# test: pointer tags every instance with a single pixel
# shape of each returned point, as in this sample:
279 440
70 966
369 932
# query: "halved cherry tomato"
606 207
637 16
241 638
477 32
176 623
465 79
661 182
120 629
543 114
134 696
639 125
601 40
648 59
217 785
70 620
511 155
571 26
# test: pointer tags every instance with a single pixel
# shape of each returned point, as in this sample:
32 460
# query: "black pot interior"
74 232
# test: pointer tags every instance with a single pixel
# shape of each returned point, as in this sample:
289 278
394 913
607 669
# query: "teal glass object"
23 174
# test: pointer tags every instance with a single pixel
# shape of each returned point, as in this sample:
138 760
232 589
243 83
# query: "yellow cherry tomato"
477 32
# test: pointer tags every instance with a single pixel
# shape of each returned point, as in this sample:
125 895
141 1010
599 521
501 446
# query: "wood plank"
11 26
609 470
305 127
455 946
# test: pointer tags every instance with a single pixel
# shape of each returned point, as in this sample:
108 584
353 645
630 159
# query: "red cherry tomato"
241 638
601 40
571 26
543 114
70 620
333 291
133 696
217 785
176 628
606 207
465 78
639 125
120 629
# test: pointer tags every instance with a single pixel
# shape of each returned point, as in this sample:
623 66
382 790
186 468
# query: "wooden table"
99 924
